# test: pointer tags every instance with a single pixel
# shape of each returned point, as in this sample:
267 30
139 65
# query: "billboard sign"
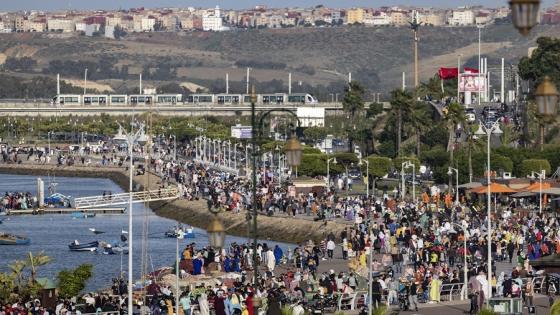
241 132
472 82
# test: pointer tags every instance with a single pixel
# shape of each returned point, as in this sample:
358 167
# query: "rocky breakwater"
195 213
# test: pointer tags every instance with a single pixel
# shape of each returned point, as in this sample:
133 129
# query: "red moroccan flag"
448 73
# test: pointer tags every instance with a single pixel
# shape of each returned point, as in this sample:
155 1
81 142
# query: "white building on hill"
213 21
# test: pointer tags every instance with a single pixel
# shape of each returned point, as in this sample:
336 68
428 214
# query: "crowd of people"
417 247
17 201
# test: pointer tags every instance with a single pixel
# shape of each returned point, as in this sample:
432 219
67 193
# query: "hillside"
315 56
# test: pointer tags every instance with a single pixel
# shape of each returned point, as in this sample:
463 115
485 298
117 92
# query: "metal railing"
123 199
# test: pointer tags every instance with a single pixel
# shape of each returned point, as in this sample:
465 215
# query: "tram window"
87 100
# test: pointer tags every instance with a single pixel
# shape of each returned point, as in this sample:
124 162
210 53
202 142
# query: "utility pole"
415 25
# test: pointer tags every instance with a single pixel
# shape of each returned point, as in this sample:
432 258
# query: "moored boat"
187 233
83 215
11 239
85 247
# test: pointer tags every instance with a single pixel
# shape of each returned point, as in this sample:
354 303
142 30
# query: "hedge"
534 165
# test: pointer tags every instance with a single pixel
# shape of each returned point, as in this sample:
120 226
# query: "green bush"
313 165
534 165
379 166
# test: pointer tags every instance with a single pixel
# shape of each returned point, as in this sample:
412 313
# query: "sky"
16 5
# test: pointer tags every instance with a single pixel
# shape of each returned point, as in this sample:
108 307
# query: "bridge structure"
124 198
44 108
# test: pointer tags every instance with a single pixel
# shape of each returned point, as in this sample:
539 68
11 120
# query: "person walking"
413 295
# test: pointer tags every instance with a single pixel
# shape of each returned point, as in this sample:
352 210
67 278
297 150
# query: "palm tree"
35 261
401 105
17 268
454 116
420 122
352 103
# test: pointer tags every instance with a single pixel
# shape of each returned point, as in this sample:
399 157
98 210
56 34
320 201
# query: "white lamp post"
367 175
329 170
408 164
488 131
130 139
450 171
541 175
465 269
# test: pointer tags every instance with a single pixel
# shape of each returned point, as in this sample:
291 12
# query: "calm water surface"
53 233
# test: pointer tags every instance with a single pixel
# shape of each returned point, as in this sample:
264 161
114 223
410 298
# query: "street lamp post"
546 96
180 235
292 150
408 164
328 170
130 139
524 14
488 131
465 269
541 175
367 175
450 171
174 147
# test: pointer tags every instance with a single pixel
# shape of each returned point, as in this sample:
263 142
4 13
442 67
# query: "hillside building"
461 18
61 24
213 21
355 16
432 19
399 18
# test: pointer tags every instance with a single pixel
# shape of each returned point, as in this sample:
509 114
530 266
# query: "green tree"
534 165
352 103
419 122
315 134
34 261
401 105
454 116
379 166
72 282
545 60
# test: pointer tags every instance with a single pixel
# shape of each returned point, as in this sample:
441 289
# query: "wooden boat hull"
14 240
86 247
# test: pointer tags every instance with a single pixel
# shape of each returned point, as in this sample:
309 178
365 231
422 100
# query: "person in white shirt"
331 245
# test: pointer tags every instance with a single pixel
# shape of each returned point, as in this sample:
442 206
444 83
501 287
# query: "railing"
349 302
123 199
451 291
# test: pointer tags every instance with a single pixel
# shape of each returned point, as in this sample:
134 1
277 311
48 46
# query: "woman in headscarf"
435 286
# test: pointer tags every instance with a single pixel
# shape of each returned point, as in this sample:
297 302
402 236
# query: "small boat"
96 231
116 249
11 239
82 215
174 233
86 247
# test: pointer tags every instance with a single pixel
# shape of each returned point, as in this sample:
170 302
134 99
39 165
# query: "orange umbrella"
535 187
495 188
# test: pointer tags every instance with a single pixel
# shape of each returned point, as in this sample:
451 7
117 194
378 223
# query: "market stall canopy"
495 188
470 185
552 191
535 187
523 194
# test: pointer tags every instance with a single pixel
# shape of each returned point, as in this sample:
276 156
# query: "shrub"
379 166
397 162
534 165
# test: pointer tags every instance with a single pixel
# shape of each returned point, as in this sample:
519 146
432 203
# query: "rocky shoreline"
195 213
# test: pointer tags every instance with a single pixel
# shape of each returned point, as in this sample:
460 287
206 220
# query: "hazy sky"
14 5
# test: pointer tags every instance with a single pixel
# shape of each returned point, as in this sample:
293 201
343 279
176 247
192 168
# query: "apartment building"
19 22
61 24
432 18
355 16
461 18
213 21
39 25
399 18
